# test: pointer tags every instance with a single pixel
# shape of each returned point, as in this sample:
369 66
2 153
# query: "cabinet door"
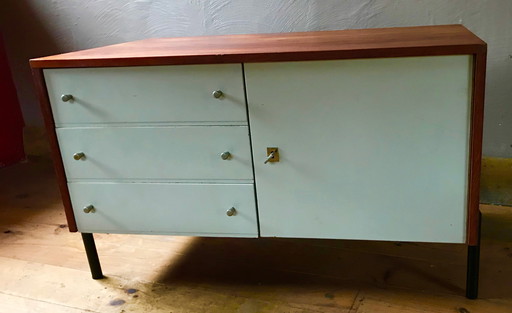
369 149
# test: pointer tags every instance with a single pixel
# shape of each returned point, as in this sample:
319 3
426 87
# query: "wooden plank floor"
43 267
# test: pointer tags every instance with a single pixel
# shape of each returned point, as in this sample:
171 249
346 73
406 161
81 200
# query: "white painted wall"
40 27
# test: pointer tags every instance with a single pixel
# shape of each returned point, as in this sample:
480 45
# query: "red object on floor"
11 120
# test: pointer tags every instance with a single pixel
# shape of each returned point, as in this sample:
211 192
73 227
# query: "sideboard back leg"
92 255
473 269
473 266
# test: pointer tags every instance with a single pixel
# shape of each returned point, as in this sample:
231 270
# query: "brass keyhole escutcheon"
272 155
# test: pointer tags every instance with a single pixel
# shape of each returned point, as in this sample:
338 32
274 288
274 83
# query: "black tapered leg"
92 255
473 267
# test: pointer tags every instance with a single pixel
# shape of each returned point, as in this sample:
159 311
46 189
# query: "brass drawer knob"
231 212
79 156
66 98
89 209
217 94
225 155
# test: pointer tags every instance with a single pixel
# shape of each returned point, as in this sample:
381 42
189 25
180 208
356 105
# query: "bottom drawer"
165 208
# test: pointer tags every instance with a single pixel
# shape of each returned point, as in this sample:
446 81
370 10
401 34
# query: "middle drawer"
156 153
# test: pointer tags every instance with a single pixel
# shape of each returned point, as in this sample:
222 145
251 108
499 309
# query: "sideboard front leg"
92 255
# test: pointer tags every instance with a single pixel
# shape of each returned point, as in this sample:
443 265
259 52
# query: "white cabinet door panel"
147 94
176 209
370 149
156 153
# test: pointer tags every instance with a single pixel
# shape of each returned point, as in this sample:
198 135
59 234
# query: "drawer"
156 153
147 94
156 208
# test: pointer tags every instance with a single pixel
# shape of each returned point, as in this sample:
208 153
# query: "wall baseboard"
496 181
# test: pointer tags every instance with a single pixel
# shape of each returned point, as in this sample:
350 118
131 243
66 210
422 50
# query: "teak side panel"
476 137
46 110
320 45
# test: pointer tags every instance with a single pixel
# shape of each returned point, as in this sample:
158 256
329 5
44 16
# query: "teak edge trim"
42 93
475 148
260 57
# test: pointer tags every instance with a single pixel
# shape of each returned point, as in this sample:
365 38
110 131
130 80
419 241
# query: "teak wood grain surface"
320 45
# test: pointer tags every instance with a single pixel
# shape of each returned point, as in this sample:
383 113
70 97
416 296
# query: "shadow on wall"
26 37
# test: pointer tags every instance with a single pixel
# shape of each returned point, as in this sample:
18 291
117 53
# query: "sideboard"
356 134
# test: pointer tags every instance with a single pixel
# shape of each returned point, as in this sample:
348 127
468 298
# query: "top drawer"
147 94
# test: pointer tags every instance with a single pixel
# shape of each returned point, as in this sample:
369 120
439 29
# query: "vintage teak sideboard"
357 134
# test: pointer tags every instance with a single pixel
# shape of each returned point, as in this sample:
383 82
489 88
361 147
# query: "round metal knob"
79 156
89 209
217 94
66 98
225 155
231 212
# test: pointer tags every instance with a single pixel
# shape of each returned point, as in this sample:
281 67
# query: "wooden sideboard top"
319 45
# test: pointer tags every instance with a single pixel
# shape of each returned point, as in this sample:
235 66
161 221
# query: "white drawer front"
154 208
148 94
156 153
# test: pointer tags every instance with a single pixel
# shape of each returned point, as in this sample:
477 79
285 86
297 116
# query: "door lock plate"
272 154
